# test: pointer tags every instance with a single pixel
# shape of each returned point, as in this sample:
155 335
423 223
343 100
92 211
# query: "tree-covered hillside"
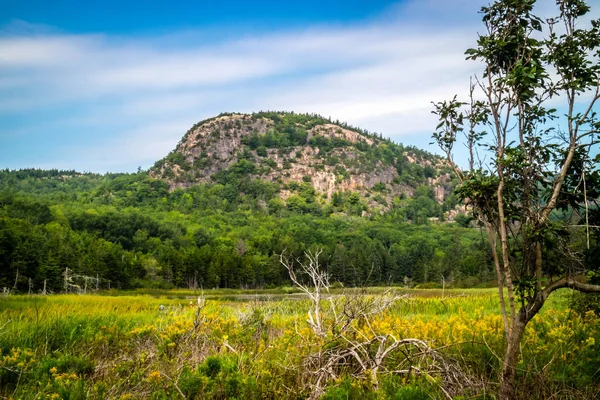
130 230
237 191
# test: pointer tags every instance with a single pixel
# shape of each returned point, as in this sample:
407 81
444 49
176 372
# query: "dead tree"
320 285
351 346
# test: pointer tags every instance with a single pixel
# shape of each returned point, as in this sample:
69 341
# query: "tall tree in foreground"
532 132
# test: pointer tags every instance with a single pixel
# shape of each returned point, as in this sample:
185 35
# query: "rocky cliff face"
285 148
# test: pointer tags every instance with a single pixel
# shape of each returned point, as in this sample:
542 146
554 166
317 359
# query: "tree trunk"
511 357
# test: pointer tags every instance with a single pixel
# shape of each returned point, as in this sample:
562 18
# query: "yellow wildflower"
154 377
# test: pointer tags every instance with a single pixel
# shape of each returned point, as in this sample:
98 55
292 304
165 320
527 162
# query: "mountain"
291 150
237 192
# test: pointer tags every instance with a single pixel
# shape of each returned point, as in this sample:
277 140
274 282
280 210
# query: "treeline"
129 231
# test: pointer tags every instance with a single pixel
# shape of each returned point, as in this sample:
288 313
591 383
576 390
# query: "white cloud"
143 93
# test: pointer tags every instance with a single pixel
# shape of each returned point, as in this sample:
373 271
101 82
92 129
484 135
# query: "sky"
110 86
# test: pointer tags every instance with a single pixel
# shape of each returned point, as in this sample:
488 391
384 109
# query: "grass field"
251 345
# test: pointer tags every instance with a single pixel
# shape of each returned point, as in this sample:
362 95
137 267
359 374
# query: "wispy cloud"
98 102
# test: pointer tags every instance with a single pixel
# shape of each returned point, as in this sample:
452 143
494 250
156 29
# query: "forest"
128 231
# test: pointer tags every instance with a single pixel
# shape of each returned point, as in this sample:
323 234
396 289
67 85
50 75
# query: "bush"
77 365
261 151
191 384
584 302
212 366
379 187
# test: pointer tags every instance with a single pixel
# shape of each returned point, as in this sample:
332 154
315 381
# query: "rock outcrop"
287 148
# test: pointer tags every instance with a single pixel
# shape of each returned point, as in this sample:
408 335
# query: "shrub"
261 151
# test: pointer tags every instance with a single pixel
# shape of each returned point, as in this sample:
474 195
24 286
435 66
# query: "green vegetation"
128 231
136 347
542 181
249 225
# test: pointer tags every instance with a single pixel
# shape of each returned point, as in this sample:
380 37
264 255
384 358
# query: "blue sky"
129 17
109 86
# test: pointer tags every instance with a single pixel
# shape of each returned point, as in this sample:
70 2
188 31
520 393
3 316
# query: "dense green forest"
129 230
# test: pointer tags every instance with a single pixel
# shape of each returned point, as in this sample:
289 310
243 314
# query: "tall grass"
152 346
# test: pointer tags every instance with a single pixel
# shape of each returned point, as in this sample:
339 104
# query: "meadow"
417 344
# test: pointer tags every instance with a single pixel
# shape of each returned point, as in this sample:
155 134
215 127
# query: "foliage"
97 347
128 230
540 179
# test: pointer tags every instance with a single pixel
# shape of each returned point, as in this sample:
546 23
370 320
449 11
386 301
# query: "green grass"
154 345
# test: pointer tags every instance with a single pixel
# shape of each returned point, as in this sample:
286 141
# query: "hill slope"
288 148
237 192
